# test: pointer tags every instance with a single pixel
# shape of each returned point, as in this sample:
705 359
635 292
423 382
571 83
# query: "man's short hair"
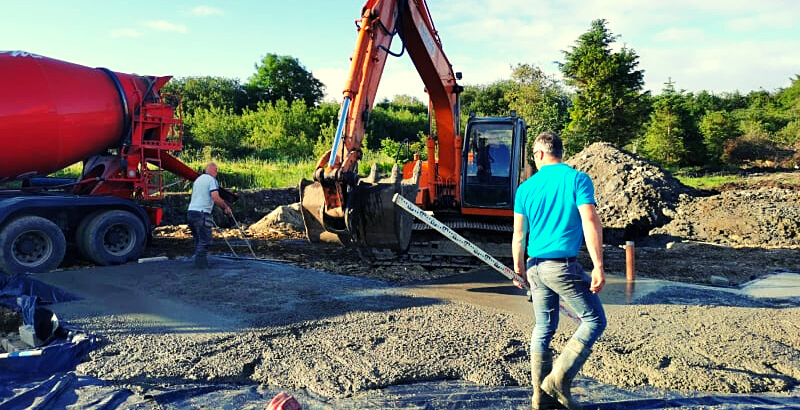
549 142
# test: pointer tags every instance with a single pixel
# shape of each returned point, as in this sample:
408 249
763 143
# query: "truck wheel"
31 244
80 234
113 237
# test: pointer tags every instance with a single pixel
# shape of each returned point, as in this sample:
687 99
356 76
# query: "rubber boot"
558 383
201 262
541 365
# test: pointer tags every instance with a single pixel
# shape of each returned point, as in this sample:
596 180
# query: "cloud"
763 21
125 32
721 67
679 34
163 25
207 11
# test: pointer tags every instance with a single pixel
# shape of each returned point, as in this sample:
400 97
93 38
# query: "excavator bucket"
315 218
370 219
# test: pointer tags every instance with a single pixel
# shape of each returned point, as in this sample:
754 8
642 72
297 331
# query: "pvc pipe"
153 259
24 353
630 271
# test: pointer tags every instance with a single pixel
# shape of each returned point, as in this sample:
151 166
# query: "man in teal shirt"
555 211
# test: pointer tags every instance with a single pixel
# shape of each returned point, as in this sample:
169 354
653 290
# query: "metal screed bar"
467 245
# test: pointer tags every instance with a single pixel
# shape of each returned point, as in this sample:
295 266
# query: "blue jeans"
200 224
551 279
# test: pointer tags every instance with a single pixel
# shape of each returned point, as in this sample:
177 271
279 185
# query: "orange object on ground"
283 401
630 261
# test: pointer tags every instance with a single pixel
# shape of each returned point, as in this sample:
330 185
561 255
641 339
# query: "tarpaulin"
23 285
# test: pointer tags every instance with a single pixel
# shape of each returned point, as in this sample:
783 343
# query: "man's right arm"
518 245
221 202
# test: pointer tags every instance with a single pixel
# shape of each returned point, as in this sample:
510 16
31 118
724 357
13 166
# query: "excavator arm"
339 205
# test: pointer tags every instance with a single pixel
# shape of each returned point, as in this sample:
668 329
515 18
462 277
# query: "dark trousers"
200 224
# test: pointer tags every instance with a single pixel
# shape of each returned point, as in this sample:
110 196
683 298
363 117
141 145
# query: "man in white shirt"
205 193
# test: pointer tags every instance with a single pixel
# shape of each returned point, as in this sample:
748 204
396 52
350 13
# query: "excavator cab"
493 159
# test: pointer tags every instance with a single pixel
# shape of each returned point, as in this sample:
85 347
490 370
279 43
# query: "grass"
708 182
250 173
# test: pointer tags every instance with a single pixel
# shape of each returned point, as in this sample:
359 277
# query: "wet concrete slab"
109 291
775 285
487 287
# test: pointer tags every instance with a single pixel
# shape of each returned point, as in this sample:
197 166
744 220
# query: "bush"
747 149
281 131
403 152
396 124
219 128
790 134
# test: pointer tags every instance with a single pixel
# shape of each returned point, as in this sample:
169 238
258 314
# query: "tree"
789 98
539 99
206 92
486 100
681 106
283 77
718 127
664 136
608 105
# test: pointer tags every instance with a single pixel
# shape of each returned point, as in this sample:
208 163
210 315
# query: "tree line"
278 113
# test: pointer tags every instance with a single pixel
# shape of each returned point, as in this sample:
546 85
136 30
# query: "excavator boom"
339 205
469 181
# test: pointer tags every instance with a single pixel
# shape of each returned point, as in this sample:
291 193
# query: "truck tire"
80 234
31 244
113 237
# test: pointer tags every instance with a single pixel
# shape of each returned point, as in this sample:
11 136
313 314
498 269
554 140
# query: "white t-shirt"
202 188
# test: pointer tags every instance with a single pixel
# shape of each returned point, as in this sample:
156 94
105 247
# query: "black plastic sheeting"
68 390
48 382
22 285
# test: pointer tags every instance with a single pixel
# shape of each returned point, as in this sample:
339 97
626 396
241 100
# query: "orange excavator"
468 182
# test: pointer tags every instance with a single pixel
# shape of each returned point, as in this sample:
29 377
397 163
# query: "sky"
714 45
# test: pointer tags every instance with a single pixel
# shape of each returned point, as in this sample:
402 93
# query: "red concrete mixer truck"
54 114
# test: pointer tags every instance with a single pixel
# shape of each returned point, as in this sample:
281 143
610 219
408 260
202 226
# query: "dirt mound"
282 218
766 217
633 196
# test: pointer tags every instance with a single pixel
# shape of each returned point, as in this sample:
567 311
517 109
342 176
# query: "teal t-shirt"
550 200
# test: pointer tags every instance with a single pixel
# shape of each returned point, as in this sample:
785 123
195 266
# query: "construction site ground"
315 320
460 341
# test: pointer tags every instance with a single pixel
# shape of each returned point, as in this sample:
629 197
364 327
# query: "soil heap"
633 196
761 217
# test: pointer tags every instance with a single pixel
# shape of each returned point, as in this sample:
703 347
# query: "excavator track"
431 249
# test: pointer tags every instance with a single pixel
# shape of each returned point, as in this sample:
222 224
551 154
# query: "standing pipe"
630 271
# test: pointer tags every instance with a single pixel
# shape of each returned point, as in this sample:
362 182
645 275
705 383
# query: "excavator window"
488 169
